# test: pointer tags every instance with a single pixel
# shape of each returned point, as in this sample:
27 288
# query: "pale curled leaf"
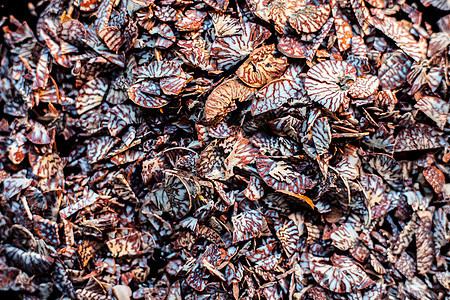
222 99
328 82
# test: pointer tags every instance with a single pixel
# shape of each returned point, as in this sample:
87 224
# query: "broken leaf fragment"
283 177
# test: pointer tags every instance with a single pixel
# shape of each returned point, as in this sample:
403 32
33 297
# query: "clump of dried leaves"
216 149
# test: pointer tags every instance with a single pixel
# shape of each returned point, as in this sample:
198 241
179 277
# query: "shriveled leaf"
247 225
321 134
229 50
45 166
364 86
147 94
344 237
419 137
182 189
343 276
435 108
310 19
373 188
424 241
225 25
91 95
134 243
393 70
348 164
406 265
39 135
343 28
242 154
388 168
98 148
274 95
292 46
46 229
31 262
210 164
282 177
14 185
255 189
289 237
435 178
393 29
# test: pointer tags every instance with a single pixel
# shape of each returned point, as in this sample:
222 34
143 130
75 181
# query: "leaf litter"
162 149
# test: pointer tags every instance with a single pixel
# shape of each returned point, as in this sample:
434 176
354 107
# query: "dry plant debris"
224 149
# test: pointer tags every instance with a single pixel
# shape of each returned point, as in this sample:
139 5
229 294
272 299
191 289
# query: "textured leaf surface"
343 276
328 82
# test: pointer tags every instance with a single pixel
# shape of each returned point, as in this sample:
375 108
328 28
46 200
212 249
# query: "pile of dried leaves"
216 149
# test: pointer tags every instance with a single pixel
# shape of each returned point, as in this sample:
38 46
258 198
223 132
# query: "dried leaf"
343 276
328 83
